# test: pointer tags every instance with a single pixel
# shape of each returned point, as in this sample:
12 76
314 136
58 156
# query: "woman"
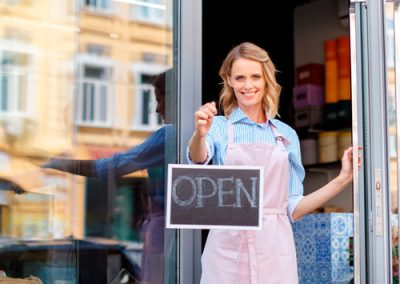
249 134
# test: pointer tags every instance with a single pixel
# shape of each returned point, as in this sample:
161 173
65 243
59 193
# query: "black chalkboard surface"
207 197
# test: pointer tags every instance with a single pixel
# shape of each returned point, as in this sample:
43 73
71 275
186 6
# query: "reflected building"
75 82
37 50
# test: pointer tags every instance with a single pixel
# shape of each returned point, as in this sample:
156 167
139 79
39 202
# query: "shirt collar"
238 115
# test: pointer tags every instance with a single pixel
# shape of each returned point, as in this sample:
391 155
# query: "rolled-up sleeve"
210 151
148 154
296 173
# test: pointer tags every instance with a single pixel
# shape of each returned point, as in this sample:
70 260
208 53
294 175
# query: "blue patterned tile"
339 225
323 225
350 224
342 274
306 251
324 272
340 250
322 245
308 273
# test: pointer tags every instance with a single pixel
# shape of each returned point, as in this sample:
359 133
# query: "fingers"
359 157
205 113
348 153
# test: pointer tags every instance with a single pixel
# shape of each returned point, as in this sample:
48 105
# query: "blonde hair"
250 51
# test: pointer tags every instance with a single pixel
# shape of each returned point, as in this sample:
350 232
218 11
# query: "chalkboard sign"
207 197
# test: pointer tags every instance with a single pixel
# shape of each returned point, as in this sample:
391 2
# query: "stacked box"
309 152
308 116
308 95
312 73
323 248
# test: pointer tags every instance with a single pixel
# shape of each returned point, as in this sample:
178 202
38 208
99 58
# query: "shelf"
332 165
322 128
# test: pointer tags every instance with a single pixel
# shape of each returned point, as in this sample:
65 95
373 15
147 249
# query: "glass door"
375 130
357 21
392 37
88 124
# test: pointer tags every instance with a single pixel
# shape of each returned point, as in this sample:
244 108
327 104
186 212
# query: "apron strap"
230 132
280 139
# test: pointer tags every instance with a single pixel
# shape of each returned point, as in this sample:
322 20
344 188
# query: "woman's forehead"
246 65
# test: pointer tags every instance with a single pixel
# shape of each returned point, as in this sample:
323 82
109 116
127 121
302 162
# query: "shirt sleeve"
210 142
210 152
296 174
148 154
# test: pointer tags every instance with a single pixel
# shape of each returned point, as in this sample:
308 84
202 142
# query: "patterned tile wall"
322 244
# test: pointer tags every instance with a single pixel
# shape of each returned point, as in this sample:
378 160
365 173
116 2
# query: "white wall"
314 23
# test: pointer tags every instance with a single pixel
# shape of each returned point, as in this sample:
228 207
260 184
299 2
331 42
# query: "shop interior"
299 36
293 33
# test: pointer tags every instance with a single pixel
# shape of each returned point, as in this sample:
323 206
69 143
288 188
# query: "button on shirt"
247 131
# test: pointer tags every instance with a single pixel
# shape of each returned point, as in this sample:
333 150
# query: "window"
12 2
93 107
153 11
14 81
98 50
154 58
97 5
147 117
145 104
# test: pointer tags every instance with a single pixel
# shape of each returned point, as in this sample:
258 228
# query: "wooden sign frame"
197 206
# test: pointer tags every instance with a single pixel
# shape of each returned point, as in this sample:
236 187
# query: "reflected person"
149 155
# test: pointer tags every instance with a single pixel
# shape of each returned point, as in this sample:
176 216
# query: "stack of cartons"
337 82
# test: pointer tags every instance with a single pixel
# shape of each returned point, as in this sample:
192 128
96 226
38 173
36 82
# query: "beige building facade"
75 83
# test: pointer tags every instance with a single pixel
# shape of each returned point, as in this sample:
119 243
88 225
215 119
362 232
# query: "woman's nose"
248 84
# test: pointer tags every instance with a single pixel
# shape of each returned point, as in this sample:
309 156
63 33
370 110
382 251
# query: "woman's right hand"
203 118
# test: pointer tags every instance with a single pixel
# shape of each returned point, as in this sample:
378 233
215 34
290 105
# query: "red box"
311 73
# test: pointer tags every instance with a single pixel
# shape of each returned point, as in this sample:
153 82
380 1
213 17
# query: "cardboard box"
308 116
306 95
311 73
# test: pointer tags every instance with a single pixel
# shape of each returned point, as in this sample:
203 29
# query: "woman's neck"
257 116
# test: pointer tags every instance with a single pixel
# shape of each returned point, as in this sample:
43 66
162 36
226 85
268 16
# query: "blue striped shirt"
247 131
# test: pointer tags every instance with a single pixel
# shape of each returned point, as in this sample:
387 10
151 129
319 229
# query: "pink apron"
256 257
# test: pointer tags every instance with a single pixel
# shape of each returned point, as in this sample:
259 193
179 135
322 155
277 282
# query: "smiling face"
248 83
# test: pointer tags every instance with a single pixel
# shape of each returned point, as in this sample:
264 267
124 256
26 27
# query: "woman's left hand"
347 164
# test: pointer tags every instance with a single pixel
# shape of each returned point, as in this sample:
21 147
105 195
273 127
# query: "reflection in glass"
76 83
392 130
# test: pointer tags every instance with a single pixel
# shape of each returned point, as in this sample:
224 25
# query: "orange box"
343 59
331 71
